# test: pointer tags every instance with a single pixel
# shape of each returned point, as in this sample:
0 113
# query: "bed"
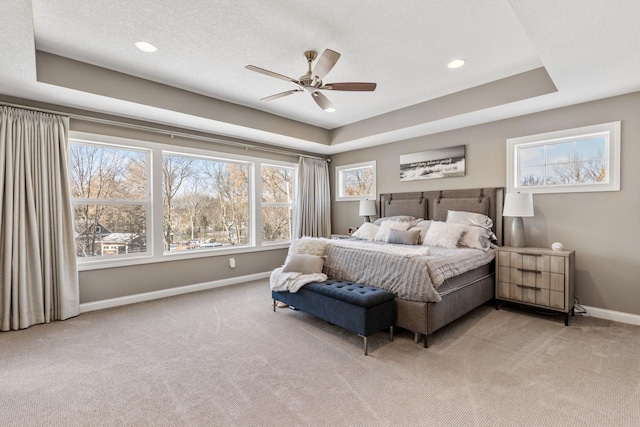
435 283
458 294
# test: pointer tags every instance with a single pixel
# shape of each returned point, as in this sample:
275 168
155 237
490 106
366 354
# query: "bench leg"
274 306
391 332
366 345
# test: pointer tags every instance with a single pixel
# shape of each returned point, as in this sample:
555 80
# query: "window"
573 160
110 199
137 201
356 181
205 202
277 202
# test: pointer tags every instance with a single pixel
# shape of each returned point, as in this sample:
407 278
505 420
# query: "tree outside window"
573 160
277 202
110 197
356 181
205 203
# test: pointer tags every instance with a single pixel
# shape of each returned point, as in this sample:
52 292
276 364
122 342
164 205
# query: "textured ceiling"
586 46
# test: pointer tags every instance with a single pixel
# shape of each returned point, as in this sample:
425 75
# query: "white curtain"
38 272
313 215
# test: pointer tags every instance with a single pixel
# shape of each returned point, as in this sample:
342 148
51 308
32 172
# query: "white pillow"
476 238
309 246
423 226
397 218
383 234
301 263
444 235
470 218
366 231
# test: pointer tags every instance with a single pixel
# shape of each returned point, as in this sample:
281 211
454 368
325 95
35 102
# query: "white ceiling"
588 48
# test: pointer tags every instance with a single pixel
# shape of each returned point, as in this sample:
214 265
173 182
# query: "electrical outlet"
232 262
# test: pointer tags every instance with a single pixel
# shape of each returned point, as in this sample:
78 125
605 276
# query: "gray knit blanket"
413 277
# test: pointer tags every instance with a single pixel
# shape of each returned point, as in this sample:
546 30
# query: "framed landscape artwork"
440 163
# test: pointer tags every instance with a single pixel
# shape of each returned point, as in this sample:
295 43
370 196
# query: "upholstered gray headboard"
435 204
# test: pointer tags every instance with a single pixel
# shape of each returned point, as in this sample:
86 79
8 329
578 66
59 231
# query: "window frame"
611 131
339 181
155 251
147 202
251 240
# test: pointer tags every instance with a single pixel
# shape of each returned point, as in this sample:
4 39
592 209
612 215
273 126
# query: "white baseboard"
148 296
616 316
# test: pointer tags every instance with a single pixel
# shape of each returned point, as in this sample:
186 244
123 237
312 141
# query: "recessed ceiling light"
146 47
456 63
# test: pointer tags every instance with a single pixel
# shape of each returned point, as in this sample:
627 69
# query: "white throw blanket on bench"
292 282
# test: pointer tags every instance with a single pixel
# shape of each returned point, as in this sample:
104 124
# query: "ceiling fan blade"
323 102
271 74
351 86
280 95
325 63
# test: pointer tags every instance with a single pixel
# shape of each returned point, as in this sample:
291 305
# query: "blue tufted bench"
358 308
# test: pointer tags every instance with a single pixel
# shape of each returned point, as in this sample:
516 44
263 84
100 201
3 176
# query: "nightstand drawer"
528 294
537 262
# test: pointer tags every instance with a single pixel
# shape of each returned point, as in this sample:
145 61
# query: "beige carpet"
222 357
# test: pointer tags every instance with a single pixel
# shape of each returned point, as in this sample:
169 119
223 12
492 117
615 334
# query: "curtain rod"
165 132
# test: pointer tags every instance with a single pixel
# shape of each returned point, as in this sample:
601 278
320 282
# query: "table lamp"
367 209
518 205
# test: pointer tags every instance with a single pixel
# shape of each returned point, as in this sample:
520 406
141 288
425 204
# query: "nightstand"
536 277
340 236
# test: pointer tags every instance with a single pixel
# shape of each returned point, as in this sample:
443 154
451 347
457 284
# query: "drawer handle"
523 253
529 287
529 271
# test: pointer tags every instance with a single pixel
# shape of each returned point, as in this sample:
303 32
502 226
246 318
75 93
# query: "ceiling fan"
312 82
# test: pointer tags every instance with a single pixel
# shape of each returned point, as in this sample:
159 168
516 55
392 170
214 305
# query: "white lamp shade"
367 208
518 204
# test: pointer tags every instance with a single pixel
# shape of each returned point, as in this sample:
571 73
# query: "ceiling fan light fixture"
146 47
456 63
311 82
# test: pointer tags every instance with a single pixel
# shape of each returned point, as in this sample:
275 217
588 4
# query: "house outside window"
574 160
356 181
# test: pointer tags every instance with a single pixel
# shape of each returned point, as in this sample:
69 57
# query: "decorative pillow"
302 263
476 237
383 234
443 235
442 208
309 246
366 231
470 218
397 218
402 237
423 227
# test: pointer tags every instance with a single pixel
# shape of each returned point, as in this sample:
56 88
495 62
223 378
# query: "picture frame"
433 164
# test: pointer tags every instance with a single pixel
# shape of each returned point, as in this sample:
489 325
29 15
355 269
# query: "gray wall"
601 227
96 285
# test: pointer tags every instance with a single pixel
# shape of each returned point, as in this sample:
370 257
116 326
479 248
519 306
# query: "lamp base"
516 237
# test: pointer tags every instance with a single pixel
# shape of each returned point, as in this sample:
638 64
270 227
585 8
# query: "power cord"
578 309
